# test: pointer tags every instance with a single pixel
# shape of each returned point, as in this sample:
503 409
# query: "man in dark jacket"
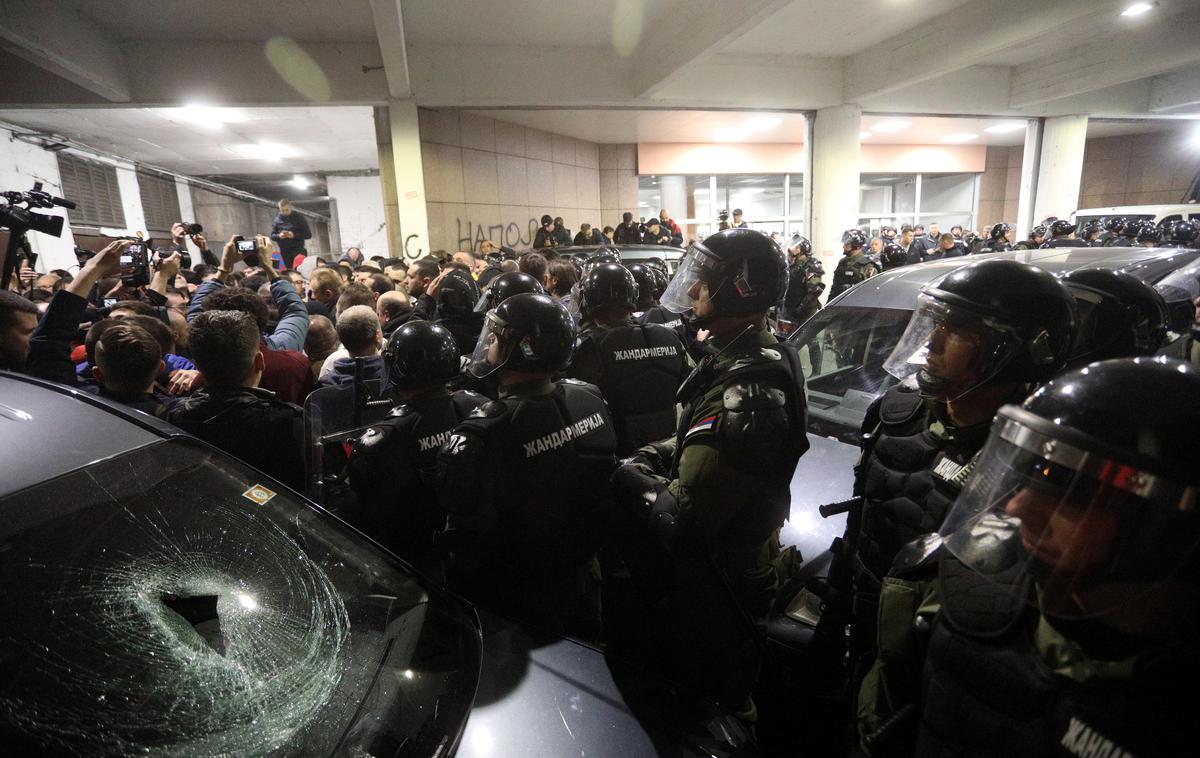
562 235
628 232
289 230
359 332
545 236
394 311
657 234
232 412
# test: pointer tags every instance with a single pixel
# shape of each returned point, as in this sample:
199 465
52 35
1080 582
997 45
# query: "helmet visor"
491 351
950 349
698 264
1091 532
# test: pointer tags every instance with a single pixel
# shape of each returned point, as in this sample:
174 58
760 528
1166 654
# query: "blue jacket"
292 328
374 370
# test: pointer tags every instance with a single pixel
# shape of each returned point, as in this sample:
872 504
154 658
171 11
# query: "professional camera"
20 220
135 264
192 228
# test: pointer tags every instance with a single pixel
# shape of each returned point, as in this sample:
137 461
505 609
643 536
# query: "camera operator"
180 233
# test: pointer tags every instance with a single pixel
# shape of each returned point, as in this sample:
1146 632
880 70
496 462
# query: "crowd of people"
605 449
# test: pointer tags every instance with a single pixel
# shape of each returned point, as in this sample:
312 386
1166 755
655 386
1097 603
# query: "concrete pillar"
361 221
1029 175
833 185
387 182
1060 167
674 196
409 179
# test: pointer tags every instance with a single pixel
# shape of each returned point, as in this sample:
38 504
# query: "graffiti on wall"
512 234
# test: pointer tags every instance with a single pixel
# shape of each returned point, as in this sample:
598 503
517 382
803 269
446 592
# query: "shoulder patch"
705 424
490 409
573 381
770 354
400 411
374 437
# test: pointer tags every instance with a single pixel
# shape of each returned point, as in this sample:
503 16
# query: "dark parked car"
161 597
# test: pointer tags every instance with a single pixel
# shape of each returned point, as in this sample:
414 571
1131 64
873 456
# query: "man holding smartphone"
289 230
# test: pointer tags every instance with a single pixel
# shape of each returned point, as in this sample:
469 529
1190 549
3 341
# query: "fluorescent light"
1137 9
1012 126
864 135
730 134
763 123
205 116
299 182
962 137
891 126
266 151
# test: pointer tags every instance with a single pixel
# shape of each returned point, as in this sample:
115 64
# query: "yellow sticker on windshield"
258 494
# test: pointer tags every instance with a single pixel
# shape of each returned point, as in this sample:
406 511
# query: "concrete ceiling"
608 126
204 142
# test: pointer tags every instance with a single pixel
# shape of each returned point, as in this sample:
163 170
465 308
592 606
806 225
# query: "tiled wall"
489 179
1137 169
999 186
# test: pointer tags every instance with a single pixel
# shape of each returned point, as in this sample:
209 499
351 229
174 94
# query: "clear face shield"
1093 534
491 351
698 264
950 350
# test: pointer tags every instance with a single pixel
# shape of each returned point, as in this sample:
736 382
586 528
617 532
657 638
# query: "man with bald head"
394 311
359 332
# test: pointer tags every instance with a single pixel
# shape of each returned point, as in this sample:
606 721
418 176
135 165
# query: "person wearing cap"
545 236
628 232
657 234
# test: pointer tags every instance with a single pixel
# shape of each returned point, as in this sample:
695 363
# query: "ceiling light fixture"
891 126
962 137
1137 9
730 134
763 123
266 151
1012 126
299 182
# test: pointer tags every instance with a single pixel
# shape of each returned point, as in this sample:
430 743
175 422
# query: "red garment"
674 227
287 373
296 261
79 354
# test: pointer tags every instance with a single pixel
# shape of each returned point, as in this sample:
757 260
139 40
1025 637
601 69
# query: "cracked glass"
172 601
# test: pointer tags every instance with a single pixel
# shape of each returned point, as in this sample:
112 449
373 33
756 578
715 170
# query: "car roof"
1139 210
898 288
49 430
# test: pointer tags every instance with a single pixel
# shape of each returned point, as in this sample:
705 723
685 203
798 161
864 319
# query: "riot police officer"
893 256
1037 236
804 286
1114 232
638 367
1143 232
855 266
1056 614
1062 234
392 465
524 478
1181 233
980 337
1091 234
1001 238
457 295
1118 316
505 286
717 493
654 312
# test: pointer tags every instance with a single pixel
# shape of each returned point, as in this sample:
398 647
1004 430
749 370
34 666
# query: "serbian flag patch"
703 425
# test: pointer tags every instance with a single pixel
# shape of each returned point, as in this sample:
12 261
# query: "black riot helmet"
1061 228
893 255
421 353
1119 316
888 233
1090 488
1019 318
607 284
1115 224
647 284
855 238
1181 233
801 244
657 263
1091 231
457 294
1143 230
744 270
1039 231
505 286
526 332
999 230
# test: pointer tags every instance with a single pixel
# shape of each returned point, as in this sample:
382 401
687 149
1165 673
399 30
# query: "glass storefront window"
694 206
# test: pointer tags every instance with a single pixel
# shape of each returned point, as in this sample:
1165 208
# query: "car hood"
556 696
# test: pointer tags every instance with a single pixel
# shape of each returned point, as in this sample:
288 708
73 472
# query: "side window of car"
1172 217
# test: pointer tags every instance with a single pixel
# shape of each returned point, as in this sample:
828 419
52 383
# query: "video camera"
20 220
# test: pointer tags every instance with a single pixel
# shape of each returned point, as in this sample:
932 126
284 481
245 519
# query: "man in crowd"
947 247
669 223
628 232
128 360
394 311
854 267
638 367
524 478
657 234
358 331
18 319
545 236
324 287
320 343
717 492
231 411
588 236
738 222
289 230
421 274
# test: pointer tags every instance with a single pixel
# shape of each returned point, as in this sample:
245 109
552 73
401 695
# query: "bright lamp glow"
891 126
1137 9
1012 126
730 134
299 182
205 116
962 137
763 123
864 135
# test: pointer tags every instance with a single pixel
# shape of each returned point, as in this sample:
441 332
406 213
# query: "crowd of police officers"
1021 559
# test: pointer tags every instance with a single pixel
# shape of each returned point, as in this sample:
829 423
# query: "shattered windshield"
172 601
